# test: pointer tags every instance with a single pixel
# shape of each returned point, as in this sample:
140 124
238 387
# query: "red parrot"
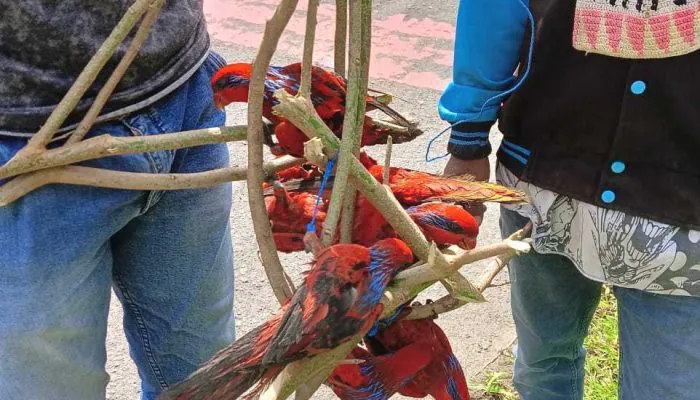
415 187
305 172
442 378
339 298
290 212
378 378
446 224
328 93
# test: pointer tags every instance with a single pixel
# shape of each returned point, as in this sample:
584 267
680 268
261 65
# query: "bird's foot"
313 244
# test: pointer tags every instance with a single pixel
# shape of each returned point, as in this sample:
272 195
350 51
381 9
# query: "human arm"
487 47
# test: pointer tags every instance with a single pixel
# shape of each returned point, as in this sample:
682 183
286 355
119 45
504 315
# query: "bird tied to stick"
410 357
291 212
410 187
428 199
442 377
339 298
328 96
378 377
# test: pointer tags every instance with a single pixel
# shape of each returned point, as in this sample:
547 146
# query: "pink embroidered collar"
637 28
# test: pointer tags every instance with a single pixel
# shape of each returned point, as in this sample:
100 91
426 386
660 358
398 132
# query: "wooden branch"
297 372
309 38
399 292
261 224
343 197
301 114
341 36
450 303
106 145
59 115
117 74
307 389
360 44
348 213
87 176
387 160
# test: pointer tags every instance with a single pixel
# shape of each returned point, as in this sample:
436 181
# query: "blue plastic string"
311 226
498 96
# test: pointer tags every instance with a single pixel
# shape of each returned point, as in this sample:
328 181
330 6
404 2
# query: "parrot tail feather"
230 372
482 192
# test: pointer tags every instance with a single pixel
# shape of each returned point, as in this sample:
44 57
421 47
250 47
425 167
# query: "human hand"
481 171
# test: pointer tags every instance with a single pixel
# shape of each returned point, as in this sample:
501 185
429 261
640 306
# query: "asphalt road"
411 58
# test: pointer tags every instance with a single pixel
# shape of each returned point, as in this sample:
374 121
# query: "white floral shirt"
611 246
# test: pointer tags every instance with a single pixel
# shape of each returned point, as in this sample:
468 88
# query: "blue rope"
500 95
311 226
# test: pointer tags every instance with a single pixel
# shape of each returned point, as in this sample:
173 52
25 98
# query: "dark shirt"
614 132
44 45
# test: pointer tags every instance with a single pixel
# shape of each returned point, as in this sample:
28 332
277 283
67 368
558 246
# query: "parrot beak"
468 243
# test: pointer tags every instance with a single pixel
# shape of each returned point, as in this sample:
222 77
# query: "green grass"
494 386
602 359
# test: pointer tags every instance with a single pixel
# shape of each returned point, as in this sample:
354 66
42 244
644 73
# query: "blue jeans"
552 307
168 256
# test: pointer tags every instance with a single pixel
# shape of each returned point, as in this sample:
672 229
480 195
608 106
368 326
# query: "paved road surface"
411 58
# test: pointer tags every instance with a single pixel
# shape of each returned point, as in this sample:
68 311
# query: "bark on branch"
341 36
450 303
106 145
358 76
309 38
261 225
301 113
87 176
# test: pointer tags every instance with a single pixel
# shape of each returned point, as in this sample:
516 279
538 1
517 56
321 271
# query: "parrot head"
393 254
230 84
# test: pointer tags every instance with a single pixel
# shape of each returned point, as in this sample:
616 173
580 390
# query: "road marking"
411 51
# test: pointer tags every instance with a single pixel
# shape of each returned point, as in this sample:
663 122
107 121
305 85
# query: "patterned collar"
639 29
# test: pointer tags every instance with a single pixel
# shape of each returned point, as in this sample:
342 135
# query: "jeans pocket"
149 123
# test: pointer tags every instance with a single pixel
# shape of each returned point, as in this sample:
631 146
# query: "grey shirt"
44 45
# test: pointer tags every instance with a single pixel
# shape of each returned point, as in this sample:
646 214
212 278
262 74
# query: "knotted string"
311 226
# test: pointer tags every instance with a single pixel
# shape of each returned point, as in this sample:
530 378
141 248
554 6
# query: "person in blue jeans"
600 129
167 255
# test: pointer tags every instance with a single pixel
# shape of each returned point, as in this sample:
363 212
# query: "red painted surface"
411 51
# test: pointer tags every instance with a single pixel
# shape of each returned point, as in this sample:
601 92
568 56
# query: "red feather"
340 297
443 377
290 212
380 377
416 187
328 94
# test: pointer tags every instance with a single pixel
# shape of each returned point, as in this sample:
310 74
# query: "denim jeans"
167 255
552 307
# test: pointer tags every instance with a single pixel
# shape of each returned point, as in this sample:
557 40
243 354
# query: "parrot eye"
229 81
221 83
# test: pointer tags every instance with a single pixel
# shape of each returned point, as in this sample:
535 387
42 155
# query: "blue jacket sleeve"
487 48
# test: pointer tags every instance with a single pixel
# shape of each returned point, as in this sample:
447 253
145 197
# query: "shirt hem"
67 130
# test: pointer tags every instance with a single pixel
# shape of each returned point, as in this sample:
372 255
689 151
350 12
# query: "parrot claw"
268 131
312 243
278 185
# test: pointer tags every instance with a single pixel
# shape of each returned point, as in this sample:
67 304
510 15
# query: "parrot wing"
317 314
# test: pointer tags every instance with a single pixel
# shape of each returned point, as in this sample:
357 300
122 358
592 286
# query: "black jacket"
618 133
